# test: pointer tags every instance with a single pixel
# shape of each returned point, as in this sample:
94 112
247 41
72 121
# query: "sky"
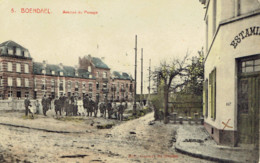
166 29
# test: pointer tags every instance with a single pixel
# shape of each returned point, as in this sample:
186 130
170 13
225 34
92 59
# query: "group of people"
74 106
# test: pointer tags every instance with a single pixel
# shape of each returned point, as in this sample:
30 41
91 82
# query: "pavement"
194 140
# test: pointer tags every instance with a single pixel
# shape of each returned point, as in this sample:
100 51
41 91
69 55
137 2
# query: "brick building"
20 76
122 86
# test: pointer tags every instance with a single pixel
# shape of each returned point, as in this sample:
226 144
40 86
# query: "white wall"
222 56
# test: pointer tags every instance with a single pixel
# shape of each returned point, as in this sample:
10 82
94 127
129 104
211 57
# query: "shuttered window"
205 98
212 94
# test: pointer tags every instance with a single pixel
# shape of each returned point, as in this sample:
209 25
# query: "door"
248 109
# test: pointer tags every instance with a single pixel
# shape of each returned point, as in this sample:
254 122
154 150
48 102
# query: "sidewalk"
195 141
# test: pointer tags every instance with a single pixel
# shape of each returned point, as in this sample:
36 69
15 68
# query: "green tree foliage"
196 75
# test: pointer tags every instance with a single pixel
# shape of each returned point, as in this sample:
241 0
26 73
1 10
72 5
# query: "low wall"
16 105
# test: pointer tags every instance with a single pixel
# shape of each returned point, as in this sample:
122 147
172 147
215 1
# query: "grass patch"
105 126
70 119
139 113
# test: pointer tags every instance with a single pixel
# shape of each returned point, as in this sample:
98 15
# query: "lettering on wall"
252 31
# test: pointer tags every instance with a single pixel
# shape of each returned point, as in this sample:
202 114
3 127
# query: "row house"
122 86
21 77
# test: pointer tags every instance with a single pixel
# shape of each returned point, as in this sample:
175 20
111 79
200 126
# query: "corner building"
232 71
21 77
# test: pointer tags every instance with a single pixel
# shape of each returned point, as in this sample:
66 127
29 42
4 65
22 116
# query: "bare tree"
171 76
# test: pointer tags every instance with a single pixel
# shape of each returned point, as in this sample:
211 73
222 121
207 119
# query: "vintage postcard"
129 81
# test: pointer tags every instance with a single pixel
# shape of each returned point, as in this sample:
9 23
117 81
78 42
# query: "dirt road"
131 141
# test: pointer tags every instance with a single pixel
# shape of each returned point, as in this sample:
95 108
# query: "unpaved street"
131 141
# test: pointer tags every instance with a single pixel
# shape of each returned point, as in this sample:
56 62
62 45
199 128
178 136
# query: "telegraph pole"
149 88
134 107
141 97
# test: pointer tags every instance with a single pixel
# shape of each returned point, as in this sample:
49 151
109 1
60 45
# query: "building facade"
21 77
232 71
122 86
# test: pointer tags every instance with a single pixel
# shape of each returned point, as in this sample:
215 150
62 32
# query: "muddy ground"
77 139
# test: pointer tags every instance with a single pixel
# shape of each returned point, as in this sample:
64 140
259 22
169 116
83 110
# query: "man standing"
44 105
27 103
57 104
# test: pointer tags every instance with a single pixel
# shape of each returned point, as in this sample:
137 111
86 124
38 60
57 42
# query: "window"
89 68
18 94
61 85
26 53
26 68
238 7
18 67
214 16
90 86
83 85
251 66
1 81
26 82
35 83
97 85
69 85
205 96
18 51
97 74
9 66
10 81
10 51
77 74
26 94
212 94
1 66
104 74
90 76
10 93
43 84
52 84
77 86
207 32
18 82
61 73
53 72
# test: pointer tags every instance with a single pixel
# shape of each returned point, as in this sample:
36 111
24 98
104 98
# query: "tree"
170 77
196 74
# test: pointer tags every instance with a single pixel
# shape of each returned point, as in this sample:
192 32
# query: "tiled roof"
99 63
68 71
11 44
123 76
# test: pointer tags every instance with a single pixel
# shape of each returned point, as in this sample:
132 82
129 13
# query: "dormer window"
90 76
26 54
10 51
18 51
77 74
53 72
61 73
43 71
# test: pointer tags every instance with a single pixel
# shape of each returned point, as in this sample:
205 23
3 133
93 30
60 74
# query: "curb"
210 158
39 129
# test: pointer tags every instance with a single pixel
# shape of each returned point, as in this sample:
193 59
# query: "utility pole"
141 97
149 88
134 107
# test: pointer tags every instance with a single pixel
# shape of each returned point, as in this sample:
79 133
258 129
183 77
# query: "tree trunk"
166 112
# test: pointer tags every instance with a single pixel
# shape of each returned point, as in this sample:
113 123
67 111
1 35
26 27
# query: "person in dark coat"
121 110
57 104
86 103
49 99
44 105
27 103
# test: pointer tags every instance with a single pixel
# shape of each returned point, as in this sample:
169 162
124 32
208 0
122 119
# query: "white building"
232 71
